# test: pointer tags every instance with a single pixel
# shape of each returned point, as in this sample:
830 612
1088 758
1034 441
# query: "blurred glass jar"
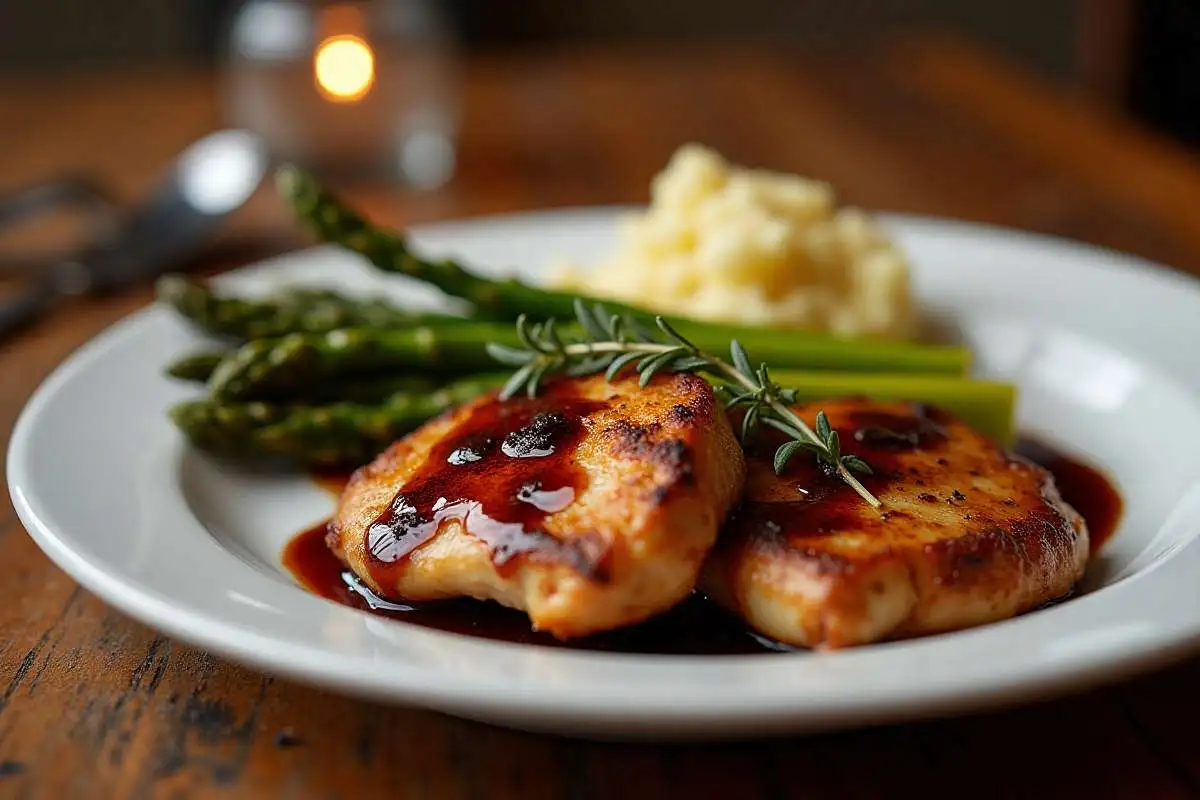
358 88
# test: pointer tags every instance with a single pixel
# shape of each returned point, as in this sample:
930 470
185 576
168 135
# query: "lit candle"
344 68
362 86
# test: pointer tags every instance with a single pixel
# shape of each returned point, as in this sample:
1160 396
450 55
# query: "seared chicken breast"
590 507
968 534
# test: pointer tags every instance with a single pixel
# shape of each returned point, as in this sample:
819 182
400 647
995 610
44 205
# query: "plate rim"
220 636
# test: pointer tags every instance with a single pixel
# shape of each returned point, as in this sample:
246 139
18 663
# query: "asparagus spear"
340 434
350 433
334 221
295 310
368 390
281 367
197 366
987 406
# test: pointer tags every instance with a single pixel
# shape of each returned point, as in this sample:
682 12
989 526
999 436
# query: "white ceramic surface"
1102 346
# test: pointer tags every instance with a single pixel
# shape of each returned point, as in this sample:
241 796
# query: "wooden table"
95 705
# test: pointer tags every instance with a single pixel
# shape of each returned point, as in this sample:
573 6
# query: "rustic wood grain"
95 705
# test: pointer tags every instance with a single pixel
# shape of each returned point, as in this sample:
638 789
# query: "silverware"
78 194
210 179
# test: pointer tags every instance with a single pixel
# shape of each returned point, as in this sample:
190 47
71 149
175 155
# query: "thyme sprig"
611 343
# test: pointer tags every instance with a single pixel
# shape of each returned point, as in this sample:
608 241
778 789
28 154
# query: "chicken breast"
969 534
590 507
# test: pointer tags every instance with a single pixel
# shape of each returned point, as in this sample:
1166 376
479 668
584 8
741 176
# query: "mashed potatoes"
753 247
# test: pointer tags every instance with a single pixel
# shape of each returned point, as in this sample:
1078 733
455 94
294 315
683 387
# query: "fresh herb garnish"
610 343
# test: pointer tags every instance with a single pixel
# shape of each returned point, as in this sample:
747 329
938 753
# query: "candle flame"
345 68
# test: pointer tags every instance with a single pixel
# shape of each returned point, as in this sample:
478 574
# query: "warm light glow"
345 68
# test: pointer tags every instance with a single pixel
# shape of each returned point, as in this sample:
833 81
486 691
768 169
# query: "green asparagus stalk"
351 433
281 367
291 311
986 406
341 434
332 220
267 369
197 366
368 389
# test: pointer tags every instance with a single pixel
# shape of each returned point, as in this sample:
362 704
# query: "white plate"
1102 346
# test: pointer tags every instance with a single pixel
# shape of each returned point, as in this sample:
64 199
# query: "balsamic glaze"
504 470
696 626
1083 487
808 500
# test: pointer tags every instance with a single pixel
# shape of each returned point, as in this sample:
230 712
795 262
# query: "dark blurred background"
1142 56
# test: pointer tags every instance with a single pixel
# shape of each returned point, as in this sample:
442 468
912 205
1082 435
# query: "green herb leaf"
793 447
856 464
784 454
535 335
823 427
749 421
517 381
603 315
741 400
691 364
661 355
619 363
617 329
550 336
509 356
640 331
588 366
535 380
525 335
673 334
834 444
740 360
655 364
592 325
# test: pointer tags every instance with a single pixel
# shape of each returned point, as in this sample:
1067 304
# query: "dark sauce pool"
696 626
1084 488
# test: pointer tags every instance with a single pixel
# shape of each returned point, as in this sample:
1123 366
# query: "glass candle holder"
361 89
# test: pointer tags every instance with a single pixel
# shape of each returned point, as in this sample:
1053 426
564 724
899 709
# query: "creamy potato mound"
738 245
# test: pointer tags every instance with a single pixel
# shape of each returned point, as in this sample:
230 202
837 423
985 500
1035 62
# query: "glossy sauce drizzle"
807 501
827 505
694 627
505 469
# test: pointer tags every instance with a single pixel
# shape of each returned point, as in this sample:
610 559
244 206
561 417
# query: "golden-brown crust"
662 469
970 534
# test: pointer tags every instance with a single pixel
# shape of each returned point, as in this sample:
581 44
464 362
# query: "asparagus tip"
287 179
170 285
